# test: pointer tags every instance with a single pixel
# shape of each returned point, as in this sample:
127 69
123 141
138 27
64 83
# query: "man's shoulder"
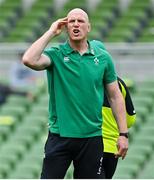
98 44
99 48
51 50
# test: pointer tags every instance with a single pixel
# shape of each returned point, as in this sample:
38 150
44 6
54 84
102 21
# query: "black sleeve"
128 101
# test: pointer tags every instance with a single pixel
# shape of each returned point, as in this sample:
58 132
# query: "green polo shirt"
76 89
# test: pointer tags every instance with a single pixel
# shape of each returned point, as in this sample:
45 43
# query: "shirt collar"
90 49
69 49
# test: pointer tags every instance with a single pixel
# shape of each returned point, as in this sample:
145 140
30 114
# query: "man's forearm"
35 50
119 111
33 56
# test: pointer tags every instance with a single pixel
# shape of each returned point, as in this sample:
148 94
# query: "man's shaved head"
77 11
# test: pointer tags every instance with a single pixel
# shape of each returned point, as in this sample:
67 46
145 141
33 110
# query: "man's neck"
80 46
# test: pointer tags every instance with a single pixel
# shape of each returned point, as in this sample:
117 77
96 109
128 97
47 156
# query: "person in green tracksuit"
78 73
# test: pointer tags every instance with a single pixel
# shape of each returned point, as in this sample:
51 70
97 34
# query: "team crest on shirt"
66 59
96 61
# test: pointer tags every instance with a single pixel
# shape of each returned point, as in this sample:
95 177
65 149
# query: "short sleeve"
110 72
51 53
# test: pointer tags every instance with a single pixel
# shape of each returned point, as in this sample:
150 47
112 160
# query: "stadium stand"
111 25
23 122
30 25
148 32
147 170
131 23
102 21
10 11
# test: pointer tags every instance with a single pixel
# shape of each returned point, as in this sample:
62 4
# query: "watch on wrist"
124 134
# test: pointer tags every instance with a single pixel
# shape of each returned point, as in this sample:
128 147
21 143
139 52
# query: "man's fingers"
122 145
121 153
62 22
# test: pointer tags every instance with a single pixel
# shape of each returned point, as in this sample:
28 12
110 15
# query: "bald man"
78 72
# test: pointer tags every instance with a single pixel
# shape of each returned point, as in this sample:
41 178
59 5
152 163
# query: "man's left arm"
119 111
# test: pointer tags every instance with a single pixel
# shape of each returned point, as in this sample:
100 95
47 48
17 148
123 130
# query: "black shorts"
86 154
109 164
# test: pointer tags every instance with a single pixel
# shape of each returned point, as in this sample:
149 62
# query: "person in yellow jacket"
110 130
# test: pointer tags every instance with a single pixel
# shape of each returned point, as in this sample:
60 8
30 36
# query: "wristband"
124 134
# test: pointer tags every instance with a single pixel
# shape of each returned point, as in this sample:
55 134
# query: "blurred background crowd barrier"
127 29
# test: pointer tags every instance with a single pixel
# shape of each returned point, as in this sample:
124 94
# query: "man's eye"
81 21
71 21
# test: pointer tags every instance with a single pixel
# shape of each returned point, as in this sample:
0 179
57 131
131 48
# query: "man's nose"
76 23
